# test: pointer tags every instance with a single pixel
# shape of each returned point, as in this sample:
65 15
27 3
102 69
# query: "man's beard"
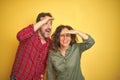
45 33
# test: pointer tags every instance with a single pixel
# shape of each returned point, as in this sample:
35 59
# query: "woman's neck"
63 50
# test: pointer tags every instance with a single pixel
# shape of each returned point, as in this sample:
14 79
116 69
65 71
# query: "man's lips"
48 30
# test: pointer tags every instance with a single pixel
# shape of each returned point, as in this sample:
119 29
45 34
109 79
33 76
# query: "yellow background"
99 18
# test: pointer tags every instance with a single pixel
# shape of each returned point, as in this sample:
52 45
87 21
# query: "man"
30 61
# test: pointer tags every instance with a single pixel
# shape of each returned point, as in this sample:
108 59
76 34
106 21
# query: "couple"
62 50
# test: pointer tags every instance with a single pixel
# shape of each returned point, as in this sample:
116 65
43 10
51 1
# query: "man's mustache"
48 30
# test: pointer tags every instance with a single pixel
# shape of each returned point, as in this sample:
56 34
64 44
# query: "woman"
65 53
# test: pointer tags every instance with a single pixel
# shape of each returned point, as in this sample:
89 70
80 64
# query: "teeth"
48 30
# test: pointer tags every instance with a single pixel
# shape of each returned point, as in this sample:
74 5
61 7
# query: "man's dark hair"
42 15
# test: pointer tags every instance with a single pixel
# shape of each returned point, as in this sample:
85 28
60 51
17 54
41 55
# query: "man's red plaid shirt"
30 61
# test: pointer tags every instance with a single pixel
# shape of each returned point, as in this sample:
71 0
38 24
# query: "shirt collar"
67 52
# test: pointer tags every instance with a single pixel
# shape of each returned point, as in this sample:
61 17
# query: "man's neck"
43 40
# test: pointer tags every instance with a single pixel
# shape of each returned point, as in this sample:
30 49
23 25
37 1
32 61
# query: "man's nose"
49 25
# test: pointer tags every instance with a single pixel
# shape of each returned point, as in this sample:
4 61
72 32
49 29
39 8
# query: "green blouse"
68 67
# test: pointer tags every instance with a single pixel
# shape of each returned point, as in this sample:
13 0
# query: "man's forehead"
43 17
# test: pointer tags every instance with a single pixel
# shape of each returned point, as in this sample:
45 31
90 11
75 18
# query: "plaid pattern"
30 61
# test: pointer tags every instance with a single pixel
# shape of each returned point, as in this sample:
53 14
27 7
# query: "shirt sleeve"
87 43
50 69
25 33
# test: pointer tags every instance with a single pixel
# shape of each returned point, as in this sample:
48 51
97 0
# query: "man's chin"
47 36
